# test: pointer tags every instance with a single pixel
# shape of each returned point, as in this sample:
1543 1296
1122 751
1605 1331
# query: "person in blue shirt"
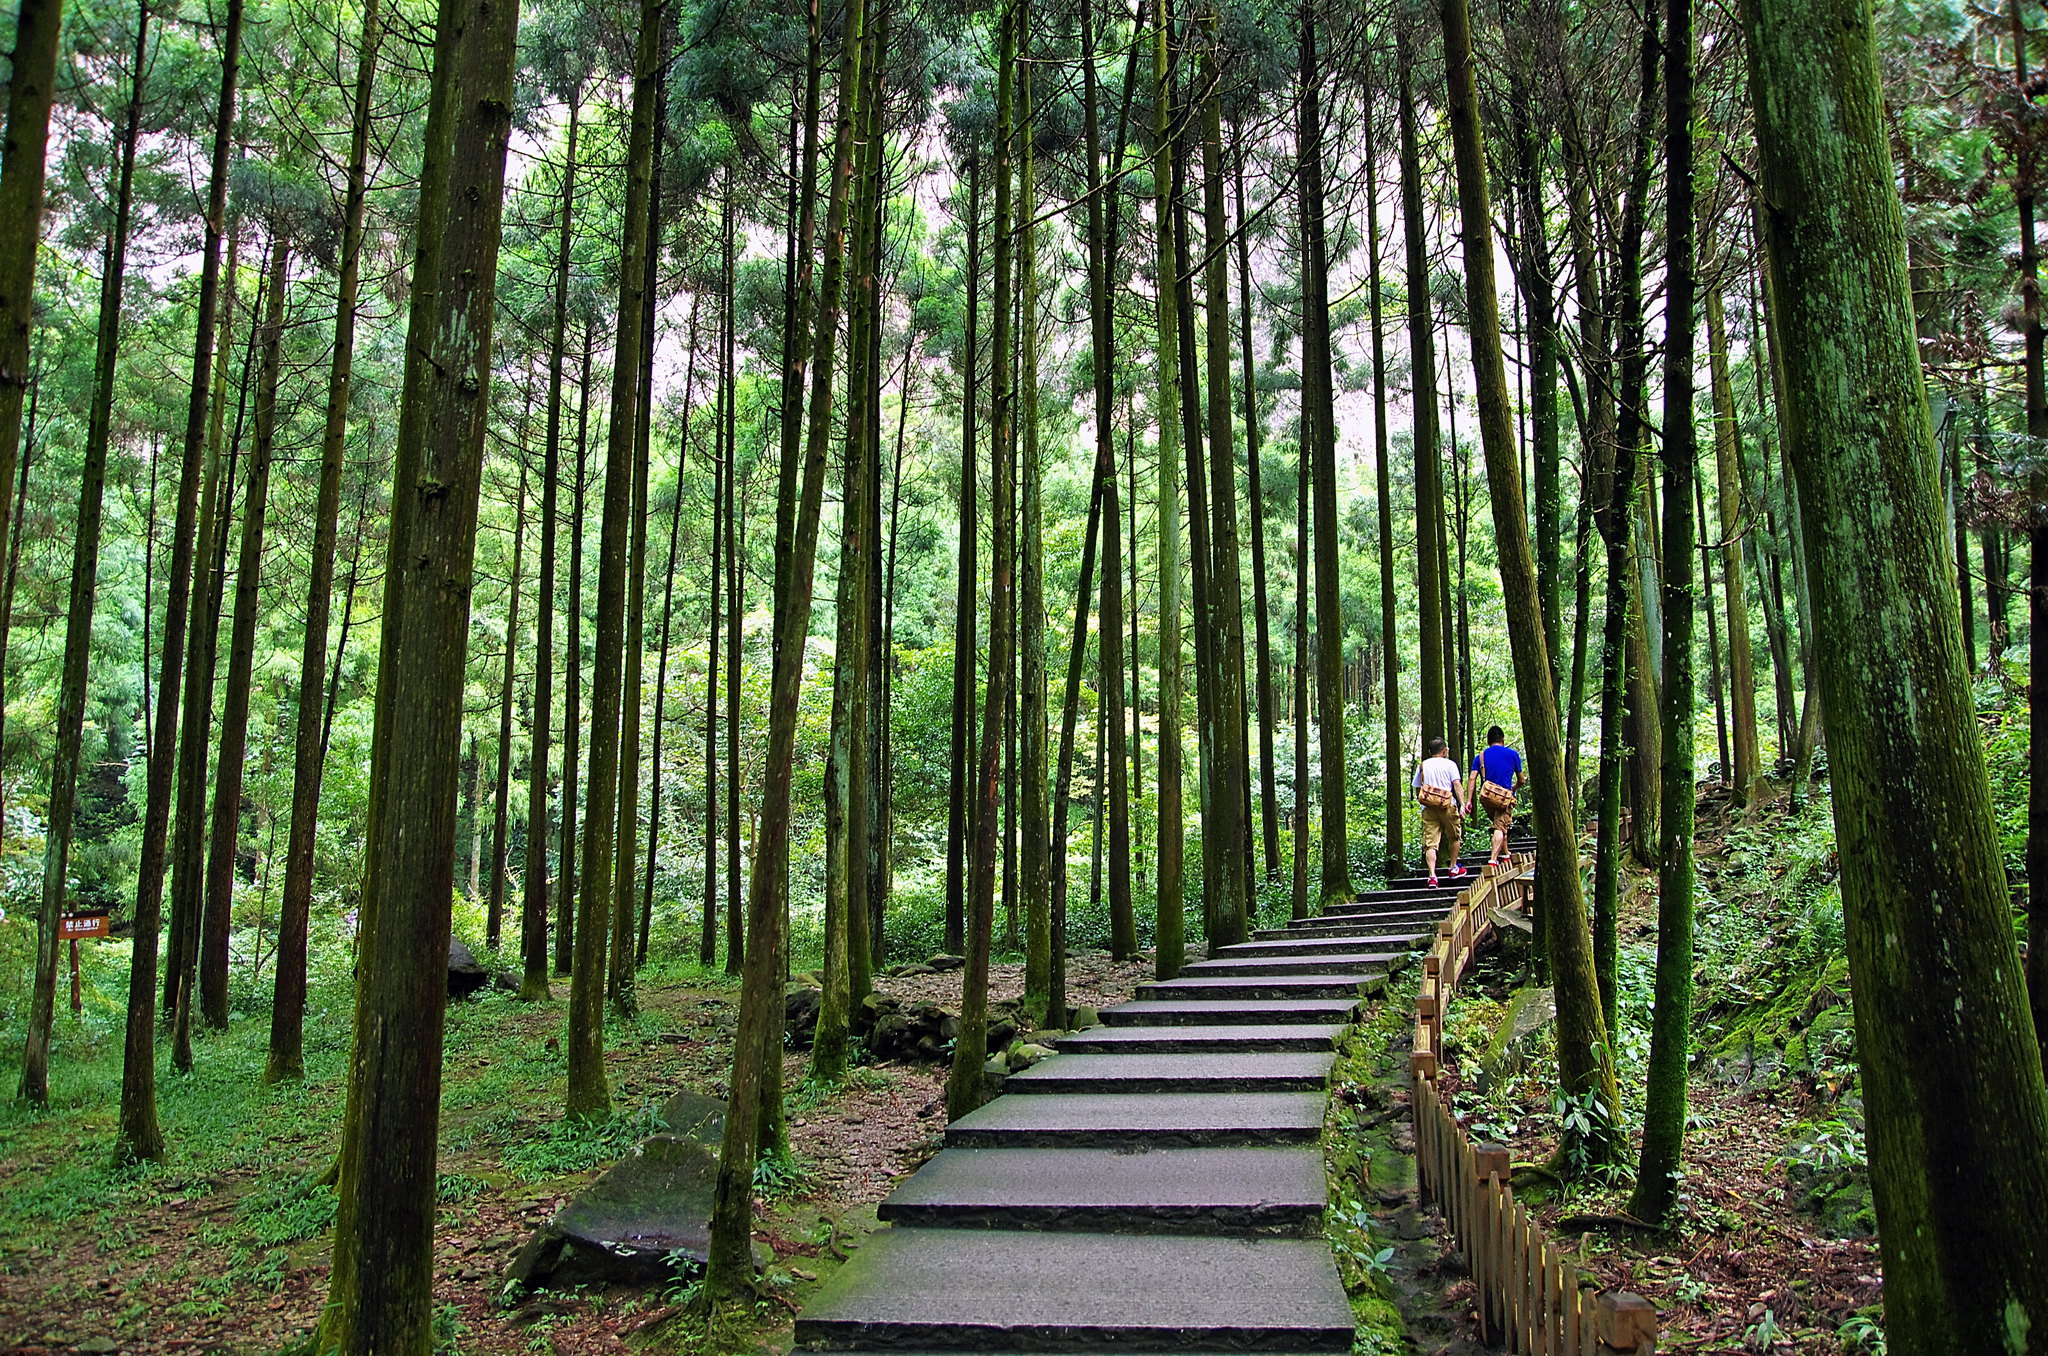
1496 766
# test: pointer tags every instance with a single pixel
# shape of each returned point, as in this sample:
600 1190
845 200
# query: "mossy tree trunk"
380 1296
1958 1114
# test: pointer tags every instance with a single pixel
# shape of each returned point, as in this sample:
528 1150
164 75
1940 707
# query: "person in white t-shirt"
1436 789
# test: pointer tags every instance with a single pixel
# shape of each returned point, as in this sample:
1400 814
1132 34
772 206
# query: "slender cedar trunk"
31 86
668 599
1745 758
2037 547
13 566
1390 648
85 569
1584 1065
1422 366
1299 820
1641 734
288 1007
501 791
1193 446
626 940
1582 603
964 1084
1170 947
589 1094
846 765
750 1124
140 1135
195 716
225 835
1031 694
208 376
1958 1111
1664 1109
1062 800
1616 521
1968 603
660 668
958 809
885 833
572 679
1255 505
381 1295
735 552
1765 548
707 931
533 894
867 603
1225 828
1123 926
1716 675
1536 289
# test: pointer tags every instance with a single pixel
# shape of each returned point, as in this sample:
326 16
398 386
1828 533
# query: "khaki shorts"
1503 820
1437 823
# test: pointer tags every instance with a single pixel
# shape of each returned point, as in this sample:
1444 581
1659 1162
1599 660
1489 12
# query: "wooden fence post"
1490 1166
1626 1323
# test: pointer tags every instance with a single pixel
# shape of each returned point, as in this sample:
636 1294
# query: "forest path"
1156 1186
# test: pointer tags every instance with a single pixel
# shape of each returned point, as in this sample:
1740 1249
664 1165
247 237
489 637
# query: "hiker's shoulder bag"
1496 797
1436 797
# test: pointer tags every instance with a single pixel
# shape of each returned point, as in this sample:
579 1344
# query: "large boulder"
466 974
800 1004
693 1116
645 1220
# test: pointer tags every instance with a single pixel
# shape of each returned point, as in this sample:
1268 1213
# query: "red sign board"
76 925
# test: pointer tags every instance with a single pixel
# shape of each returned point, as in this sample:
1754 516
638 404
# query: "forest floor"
1772 1249
224 1248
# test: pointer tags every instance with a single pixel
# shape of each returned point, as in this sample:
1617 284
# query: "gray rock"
1024 1054
993 1075
943 962
1084 1017
1529 1012
647 1218
800 1004
693 1116
466 974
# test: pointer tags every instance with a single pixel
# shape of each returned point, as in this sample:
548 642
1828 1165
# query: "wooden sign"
77 925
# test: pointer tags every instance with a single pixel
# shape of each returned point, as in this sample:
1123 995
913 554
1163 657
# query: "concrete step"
1447 887
997 1290
1349 985
1264 1071
1175 1040
1201 1191
1343 961
1396 937
1204 1012
1433 905
1361 924
1168 1120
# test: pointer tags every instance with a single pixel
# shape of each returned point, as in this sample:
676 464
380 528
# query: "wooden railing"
1526 1295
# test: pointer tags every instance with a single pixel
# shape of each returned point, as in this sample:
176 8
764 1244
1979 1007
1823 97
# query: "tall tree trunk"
959 809
380 1294
85 554
1224 827
1255 505
1664 1110
589 1093
226 828
2037 549
758 1040
501 791
1034 822
668 599
1585 1067
1390 648
964 1084
572 680
1123 927
1958 1112
288 1008
1746 759
707 931
1422 365
1170 947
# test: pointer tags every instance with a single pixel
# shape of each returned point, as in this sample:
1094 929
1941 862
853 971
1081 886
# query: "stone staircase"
1156 1186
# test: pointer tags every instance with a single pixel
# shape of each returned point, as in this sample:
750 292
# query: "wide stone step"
1175 1040
1396 936
1202 1191
1344 961
1261 1072
1300 986
971 1290
1170 1120
1179 1011
1409 895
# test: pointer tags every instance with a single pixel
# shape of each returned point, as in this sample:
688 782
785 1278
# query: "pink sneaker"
1432 882
1458 870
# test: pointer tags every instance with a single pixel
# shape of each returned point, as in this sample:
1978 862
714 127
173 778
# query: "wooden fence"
1527 1296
